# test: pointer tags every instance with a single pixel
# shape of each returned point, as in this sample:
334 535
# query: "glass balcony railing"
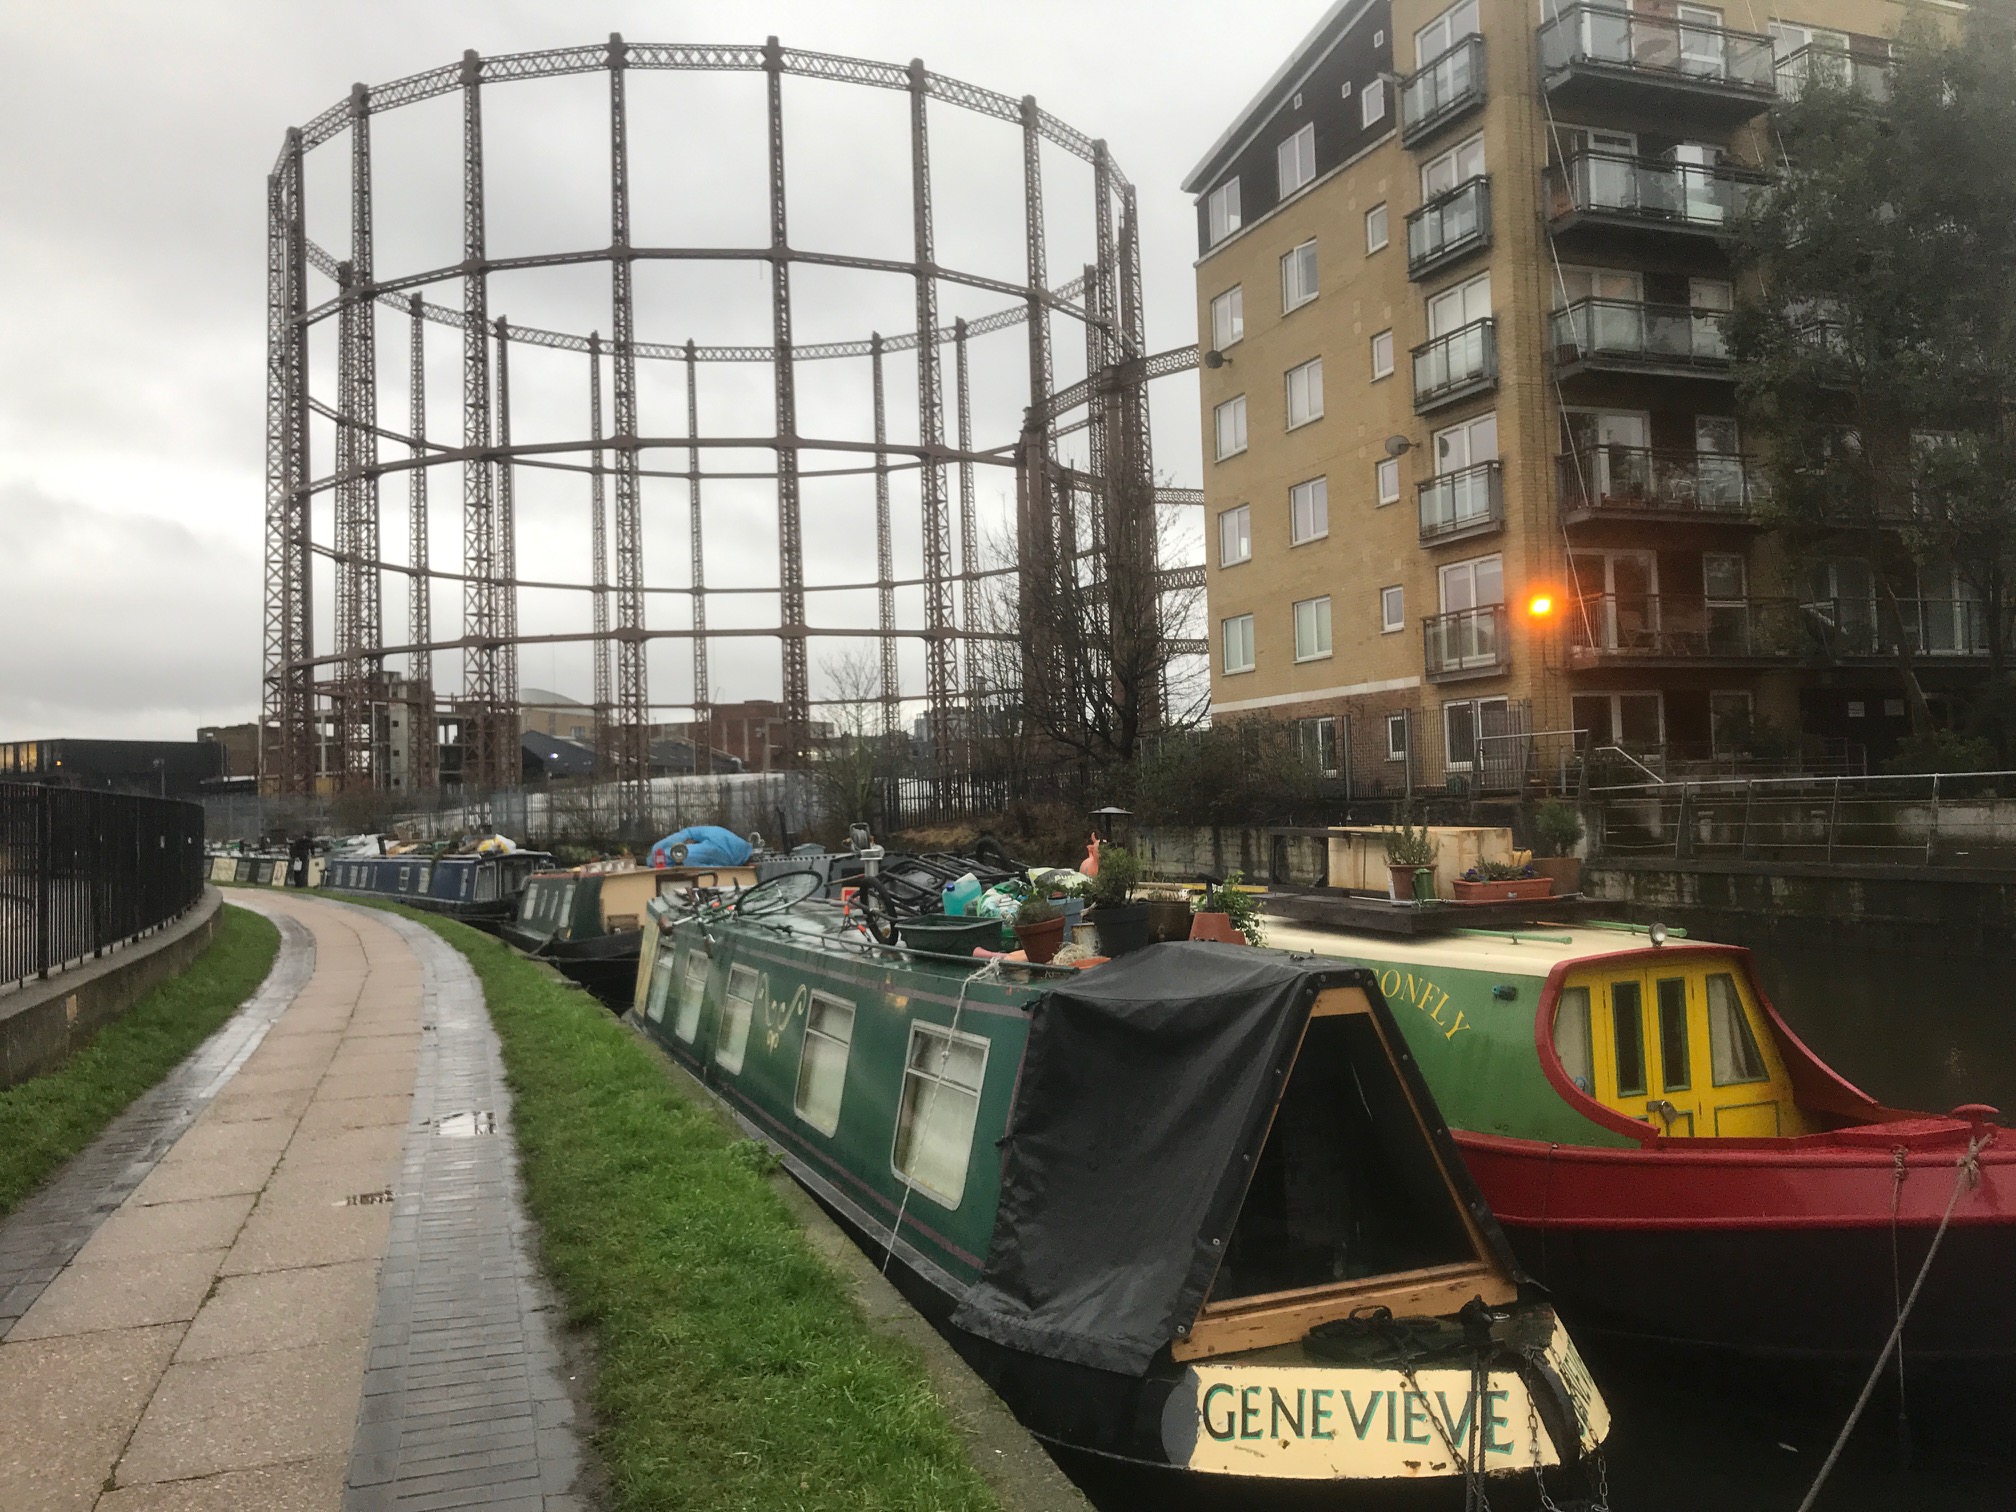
1823 65
1629 333
1680 627
1690 196
1459 503
1655 47
1449 227
1465 361
1636 480
1442 90
1467 642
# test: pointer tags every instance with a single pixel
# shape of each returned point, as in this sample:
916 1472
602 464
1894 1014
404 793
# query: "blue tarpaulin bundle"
706 845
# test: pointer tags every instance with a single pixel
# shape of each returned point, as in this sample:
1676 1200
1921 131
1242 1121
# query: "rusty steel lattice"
326 714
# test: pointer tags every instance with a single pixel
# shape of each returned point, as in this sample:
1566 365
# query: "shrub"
1119 873
1559 826
1408 844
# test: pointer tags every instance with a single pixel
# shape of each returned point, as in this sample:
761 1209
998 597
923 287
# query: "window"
1312 629
1223 210
1239 643
1571 1037
1375 229
1470 444
1235 536
1231 423
1386 474
1228 317
1627 1022
1372 102
1382 356
1670 995
1729 721
1473 584
1318 741
1453 309
1458 165
1392 609
1305 393
941 1102
1444 32
1298 277
1733 1056
736 1012
661 984
1723 578
1309 511
822 1063
1463 722
1295 160
692 994
1396 737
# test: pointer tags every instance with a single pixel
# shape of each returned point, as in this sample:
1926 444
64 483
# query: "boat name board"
1404 986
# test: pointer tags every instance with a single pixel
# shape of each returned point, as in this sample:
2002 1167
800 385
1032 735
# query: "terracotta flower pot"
1400 882
1511 891
1215 926
1039 942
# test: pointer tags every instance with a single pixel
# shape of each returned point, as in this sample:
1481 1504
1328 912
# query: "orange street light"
1540 605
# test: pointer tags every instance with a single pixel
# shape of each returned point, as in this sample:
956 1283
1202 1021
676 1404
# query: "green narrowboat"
1193 1208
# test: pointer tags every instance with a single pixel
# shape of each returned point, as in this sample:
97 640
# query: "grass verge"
46 1120
733 1369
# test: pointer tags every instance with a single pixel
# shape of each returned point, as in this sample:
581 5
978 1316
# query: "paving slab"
209 1416
68 1406
170 1228
287 1309
128 1291
312 1485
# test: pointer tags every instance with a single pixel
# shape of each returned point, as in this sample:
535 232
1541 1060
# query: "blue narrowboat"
479 890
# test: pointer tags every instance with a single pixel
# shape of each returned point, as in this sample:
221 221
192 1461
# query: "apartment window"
1318 740
1444 32
1387 475
1723 578
1238 632
1235 536
1463 722
1305 393
1382 355
1396 737
1228 317
1467 445
1458 165
942 1076
1312 629
1728 720
1295 160
1372 102
1231 423
1223 210
1298 277
1392 609
822 1062
1309 510
1473 584
1466 304
737 1009
1375 229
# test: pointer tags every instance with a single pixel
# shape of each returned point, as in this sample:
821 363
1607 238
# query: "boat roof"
1515 952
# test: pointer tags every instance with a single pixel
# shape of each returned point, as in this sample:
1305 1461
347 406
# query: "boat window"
1671 993
941 1102
736 1012
1627 1023
822 1064
661 986
1347 1185
566 909
1571 1037
692 993
1732 1049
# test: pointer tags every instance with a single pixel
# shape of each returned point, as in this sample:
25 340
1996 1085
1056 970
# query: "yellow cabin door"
1645 1023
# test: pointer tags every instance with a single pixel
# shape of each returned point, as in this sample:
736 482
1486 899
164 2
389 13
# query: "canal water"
1923 1029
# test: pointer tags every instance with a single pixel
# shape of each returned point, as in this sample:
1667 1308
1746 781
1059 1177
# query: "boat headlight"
1657 935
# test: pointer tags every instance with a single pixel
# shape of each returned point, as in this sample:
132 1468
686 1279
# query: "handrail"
1609 477
1619 38
1456 218
1639 329
1441 88
1466 355
1657 189
1461 500
1808 781
1612 750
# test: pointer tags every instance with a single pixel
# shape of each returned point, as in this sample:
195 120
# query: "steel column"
598 552
703 698
369 587
482 754
422 741
1036 505
885 554
507 538
969 532
633 698
287 734
938 652
790 542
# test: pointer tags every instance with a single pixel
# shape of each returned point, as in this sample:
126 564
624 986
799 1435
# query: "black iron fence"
83 871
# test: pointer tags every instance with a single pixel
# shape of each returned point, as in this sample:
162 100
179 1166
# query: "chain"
1599 1469
1471 1469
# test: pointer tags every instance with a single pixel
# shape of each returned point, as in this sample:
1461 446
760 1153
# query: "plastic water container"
961 895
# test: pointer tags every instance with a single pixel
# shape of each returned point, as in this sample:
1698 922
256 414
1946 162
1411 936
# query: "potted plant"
1039 928
1227 912
1123 923
1409 851
1168 913
1559 828
1501 882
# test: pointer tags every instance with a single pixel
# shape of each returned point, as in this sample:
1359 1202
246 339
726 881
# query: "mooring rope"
1966 1174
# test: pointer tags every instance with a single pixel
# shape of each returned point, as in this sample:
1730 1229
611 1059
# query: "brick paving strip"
281 1281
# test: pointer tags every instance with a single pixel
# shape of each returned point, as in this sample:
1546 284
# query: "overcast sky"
137 141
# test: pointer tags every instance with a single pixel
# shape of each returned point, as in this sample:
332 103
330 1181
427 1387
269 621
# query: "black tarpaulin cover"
1144 1085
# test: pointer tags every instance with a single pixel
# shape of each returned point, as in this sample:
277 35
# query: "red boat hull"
1770 1247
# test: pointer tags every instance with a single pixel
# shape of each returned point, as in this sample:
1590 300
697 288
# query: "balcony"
1453 367
1638 483
1449 228
1625 63
1677 630
1821 65
1603 197
1628 336
1466 643
1442 92
1458 505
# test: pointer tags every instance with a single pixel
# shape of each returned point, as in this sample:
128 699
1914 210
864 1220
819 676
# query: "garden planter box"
1565 872
1504 892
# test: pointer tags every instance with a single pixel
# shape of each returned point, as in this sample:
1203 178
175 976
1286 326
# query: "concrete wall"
45 1023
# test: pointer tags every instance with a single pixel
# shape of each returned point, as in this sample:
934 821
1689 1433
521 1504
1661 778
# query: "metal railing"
1831 67
1450 226
1698 196
1454 503
1466 642
1441 90
1628 480
83 871
1462 362
1671 626
1631 333
1657 46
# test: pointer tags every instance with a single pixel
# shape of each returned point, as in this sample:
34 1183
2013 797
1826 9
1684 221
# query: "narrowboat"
587 920
1672 1163
1193 1208
482 890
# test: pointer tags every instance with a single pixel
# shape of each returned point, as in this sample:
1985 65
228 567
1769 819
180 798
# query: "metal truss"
890 683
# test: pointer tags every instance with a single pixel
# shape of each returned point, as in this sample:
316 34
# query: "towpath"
295 1276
